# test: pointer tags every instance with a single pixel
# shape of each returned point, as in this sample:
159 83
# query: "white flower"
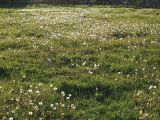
51 105
140 112
155 87
36 108
150 87
63 93
40 103
11 118
55 88
119 73
56 103
67 98
30 113
13 111
73 106
40 119
23 76
69 95
38 92
51 85
63 105
90 72
4 118
40 84
30 91
84 63
54 108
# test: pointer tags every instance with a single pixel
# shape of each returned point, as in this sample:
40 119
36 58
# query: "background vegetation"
142 3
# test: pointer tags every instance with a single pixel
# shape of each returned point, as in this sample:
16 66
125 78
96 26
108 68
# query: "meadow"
79 63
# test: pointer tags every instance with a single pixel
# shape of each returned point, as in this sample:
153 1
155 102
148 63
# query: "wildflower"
49 60
40 103
30 113
155 87
38 92
54 108
4 118
90 72
30 91
150 87
57 104
40 118
55 88
40 84
23 76
67 98
119 73
140 112
63 105
84 63
13 111
73 106
70 95
51 105
36 108
11 118
63 93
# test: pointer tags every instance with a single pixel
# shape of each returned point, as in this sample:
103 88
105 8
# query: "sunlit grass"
106 61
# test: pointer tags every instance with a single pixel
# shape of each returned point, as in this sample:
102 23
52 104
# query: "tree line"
91 2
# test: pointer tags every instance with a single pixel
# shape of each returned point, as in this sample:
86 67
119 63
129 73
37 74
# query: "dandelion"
150 87
11 118
63 105
40 118
30 91
84 63
30 113
57 104
69 95
140 112
40 103
51 105
55 88
119 73
63 93
36 108
90 72
23 76
155 87
54 108
4 118
67 98
73 106
37 92
13 111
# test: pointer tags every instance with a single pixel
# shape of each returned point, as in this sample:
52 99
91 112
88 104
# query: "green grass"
107 58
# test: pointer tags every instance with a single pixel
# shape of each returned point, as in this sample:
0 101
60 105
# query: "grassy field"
79 63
